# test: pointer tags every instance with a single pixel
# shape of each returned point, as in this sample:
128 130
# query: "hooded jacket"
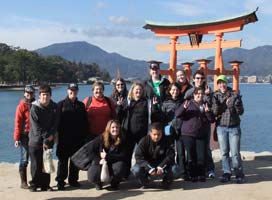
43 122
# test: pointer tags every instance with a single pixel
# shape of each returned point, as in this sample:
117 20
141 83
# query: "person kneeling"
155 155
108 147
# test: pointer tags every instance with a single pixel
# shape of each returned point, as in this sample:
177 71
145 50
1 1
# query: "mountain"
257 61
88 53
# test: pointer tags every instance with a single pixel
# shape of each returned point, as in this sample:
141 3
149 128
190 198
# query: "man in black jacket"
155 88
155 155
72 129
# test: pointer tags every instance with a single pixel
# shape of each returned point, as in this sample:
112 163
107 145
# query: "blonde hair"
108 141
130 93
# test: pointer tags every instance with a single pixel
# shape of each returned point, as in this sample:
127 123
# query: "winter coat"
227 115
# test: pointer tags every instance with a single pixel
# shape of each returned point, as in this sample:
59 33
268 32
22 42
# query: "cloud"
101 5
118 20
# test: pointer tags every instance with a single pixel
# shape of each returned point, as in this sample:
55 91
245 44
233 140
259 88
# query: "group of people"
165 125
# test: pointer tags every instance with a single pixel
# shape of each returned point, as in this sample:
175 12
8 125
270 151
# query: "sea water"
256 121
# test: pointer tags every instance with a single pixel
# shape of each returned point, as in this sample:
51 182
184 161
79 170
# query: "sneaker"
98 186
75 184
240 179
32 188
211 174
225 178
48 189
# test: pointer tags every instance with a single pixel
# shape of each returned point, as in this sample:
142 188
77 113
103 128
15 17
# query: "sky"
117 25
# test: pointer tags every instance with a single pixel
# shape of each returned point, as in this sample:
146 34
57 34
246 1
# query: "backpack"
89 101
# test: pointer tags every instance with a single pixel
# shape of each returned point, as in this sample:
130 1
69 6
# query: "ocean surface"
256 122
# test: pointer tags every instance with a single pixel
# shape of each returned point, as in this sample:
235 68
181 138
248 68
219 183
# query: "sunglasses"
154 68
121 84
199 78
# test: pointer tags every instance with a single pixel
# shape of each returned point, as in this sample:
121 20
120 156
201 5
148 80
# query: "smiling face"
181 78
198 96
199 80
29 95
154 72
222 86
120 86
174 92
137 92
114 130
98 91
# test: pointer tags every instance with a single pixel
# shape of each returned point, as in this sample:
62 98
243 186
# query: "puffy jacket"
227 115
22 119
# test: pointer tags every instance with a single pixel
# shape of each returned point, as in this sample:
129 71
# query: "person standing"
196 116
199 81
183 83
157 85
120 94
72 131
227 107
21 131
43 127
100 109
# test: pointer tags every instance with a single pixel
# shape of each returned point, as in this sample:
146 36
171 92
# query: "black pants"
196 155
64 155
181 160
117 171
39 178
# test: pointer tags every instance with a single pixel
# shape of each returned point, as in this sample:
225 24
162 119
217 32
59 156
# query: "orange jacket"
99 113
22 119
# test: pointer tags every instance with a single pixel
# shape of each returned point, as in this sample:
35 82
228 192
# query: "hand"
155 100
186 104
45 146
17 143
120 101
103 154
206 107
159 170
207 90
152 171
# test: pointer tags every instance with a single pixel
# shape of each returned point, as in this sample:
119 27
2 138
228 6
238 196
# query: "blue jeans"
24 152
229 141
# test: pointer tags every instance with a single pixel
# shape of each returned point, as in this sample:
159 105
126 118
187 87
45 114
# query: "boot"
23 176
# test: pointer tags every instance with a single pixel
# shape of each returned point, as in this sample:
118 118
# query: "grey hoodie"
43 123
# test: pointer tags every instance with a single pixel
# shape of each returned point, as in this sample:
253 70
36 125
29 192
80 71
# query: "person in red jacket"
100 109
21 130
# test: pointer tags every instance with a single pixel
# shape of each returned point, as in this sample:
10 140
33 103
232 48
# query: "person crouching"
155 155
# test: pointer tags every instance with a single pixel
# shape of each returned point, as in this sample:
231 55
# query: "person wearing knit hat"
227 107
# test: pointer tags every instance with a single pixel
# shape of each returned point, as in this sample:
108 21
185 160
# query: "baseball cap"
222 78
29 89
73 86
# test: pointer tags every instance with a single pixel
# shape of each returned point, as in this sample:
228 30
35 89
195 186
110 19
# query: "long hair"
115 91
170 87
130 93
108 141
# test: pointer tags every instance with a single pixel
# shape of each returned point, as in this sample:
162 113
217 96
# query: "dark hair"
156 126
198 89
45 89
98 83
115 91
199 72
169 88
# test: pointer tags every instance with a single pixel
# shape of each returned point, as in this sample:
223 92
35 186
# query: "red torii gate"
195 31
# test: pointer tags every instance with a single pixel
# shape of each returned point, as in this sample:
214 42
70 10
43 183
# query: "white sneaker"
211 174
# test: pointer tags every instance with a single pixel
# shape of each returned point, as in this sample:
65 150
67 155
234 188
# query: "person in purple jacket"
196 115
